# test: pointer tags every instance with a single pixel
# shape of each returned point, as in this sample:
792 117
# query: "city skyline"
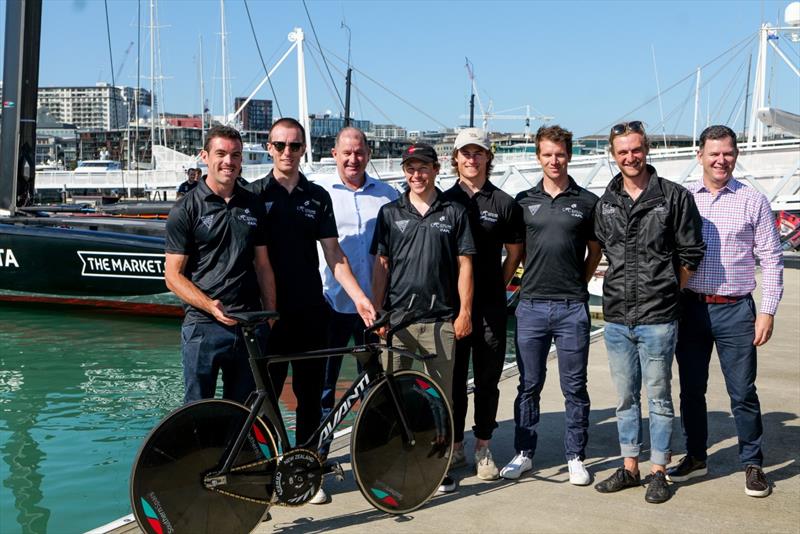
563 59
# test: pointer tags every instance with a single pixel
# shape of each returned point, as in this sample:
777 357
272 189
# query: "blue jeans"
643 352
539 322
208 348
731 327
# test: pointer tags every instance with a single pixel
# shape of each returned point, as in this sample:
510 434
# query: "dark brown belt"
716 299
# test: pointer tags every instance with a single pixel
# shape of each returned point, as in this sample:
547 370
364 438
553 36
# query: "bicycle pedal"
335 469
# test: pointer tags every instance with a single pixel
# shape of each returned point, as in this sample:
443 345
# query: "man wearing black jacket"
651 233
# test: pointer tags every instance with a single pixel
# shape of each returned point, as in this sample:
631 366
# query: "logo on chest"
308 208
442 225
488 216
268 206
534 208
207 221
247 218
608 209
401 225
573 211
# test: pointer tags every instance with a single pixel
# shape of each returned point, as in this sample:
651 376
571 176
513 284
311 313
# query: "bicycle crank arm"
335 469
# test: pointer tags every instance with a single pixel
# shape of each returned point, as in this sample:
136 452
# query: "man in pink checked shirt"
718 308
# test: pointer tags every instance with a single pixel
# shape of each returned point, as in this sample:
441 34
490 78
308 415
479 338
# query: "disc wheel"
167 490
393 474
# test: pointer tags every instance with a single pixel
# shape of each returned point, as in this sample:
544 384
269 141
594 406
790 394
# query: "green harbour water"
79 391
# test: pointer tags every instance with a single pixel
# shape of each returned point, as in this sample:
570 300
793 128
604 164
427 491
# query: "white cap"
472 136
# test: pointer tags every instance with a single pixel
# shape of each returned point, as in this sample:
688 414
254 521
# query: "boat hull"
68 261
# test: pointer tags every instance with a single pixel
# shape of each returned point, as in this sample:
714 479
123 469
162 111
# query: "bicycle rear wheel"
394 475
167 490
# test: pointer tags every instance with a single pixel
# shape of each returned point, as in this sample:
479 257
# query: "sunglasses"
624 127
280 146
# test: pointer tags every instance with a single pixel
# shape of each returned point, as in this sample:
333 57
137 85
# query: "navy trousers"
539 322
731 327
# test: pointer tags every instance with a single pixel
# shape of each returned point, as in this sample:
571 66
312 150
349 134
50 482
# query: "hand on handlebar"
218 311
366 311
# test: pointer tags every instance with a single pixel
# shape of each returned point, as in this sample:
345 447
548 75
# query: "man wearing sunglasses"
299 215
651 233
423 249
718 308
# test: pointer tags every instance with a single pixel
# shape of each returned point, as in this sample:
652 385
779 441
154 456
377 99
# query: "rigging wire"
397 96
746 41
319 70
314 31
261 57
111 60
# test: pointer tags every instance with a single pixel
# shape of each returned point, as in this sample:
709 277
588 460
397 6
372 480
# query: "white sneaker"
518 465
320 497
578 475
484 464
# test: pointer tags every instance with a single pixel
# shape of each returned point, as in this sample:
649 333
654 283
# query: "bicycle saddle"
253 318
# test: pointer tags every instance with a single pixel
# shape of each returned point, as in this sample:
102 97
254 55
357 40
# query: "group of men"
679 280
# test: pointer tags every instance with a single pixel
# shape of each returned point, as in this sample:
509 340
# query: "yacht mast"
224 62
202 97
153 113
298 37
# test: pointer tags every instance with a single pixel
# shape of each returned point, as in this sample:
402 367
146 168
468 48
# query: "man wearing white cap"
496 221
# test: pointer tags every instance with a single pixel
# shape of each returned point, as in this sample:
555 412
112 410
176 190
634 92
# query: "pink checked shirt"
738 225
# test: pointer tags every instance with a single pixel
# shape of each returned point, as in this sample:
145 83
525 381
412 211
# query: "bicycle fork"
408 435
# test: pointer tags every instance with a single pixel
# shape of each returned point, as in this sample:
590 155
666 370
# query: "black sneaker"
687 468
755 482
448 485
621 479
657 489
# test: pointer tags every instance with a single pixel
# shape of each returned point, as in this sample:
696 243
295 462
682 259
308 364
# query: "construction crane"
124 57
489 114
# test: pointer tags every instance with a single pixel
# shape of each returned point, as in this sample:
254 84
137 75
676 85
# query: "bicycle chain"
244 497
265 502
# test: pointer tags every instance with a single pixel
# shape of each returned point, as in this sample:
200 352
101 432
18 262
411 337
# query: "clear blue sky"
585 63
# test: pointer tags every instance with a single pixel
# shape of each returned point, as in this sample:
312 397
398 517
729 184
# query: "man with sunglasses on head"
651 232
496 222
423 251
718 308
561 255
299 215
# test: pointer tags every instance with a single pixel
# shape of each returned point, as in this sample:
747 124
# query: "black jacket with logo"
646 242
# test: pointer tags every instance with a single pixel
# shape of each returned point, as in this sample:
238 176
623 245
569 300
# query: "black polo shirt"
423 256
495 219
219 238
295 222
187 186
556 232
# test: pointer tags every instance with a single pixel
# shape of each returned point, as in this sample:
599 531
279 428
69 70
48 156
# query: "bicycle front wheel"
167 489
395 474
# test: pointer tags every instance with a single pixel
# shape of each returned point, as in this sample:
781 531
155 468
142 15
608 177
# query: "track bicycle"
218 466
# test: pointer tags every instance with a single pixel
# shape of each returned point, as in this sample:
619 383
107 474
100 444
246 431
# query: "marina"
91 361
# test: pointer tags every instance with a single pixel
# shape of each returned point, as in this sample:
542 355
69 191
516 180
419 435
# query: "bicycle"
215 465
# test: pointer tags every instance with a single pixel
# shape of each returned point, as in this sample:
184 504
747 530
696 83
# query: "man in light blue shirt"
356 198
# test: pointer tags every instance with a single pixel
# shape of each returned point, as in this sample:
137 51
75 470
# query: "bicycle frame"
372 373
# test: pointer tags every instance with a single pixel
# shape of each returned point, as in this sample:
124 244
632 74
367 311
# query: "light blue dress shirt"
356 213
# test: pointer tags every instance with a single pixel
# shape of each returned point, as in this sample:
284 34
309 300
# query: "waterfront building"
97 107
256 115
